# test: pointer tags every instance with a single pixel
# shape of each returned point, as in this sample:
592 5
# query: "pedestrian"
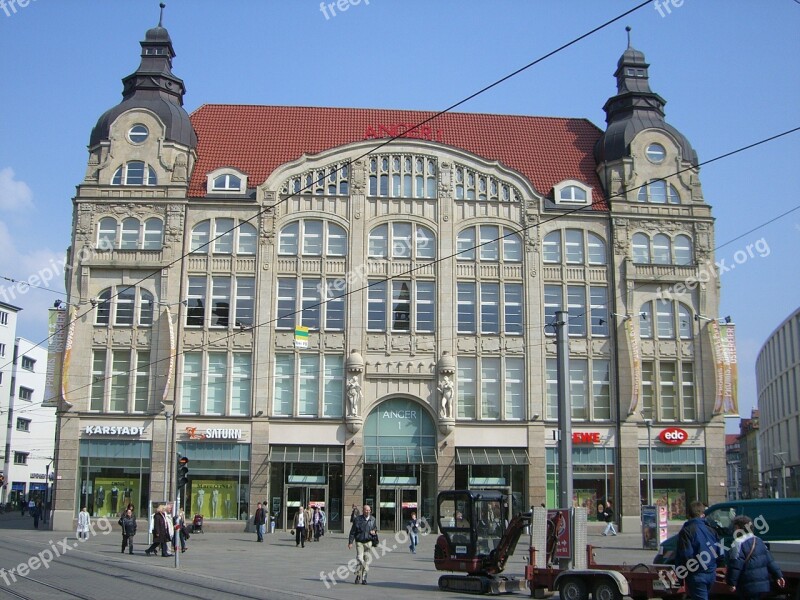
362 532
600 510
179 531
318 523
608 517
21 506
309 523
160 533
128 523
750 563
354 514
299 526
84 523
413 533
696 537
31 506
259 521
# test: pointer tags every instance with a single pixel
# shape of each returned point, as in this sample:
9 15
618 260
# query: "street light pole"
779 456
168 415
649 423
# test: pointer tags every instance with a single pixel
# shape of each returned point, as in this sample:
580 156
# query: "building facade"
778 385
750 456
733 460
312 319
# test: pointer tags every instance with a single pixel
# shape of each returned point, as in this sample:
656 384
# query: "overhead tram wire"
533 226
369 152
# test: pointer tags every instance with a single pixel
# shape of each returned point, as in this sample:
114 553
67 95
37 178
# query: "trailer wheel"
606 590
573 588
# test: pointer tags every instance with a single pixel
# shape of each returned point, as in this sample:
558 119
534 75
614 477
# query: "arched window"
402 240
247 237
465 244
103 307
551 247
684 321
201 234
682 250
135 172
107 234
226 234
129 240
641 249
662 254
153 234
312 237
489 239
227 183
146 306
572 193
596 249
659 191
125 302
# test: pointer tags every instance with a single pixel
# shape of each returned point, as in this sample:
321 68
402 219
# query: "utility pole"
779 456
564 412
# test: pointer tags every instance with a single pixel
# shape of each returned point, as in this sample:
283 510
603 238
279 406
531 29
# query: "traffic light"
183 471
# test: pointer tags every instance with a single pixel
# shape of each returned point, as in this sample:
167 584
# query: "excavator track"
467 584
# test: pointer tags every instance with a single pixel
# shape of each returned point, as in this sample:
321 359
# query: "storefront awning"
399 455
491 456
306 454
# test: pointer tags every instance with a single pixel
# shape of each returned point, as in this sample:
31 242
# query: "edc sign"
674 436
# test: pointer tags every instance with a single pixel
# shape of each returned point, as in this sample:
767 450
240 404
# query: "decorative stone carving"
447 393
354 368
179 169
174 225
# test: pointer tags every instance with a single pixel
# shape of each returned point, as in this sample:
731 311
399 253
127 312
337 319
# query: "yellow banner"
723 343
636 364
67 353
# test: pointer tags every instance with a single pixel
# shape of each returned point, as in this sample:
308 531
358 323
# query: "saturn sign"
674 436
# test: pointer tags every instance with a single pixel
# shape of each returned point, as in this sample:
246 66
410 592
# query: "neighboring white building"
778 384
29 435
8 332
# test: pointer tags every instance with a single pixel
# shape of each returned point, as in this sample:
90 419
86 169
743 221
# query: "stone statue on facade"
446 390
353 396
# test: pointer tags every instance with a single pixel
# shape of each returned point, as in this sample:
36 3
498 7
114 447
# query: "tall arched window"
659 191
641 249
682 250
227 236
130 234
662 252
312 237
402 240
107 234
486 241
153 234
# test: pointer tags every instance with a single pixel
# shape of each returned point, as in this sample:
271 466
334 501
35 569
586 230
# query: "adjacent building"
778 385
750 457
312 318
733 460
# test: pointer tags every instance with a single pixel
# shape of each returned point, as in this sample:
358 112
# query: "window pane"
578 388
334 307
130 234
312 238
641 249
142 385
195 313
661 249
466 307
490 248
134 173
220 301
684 322
145 307
333 393
192 384
648 389
490 307
378 242
599 302
153 234
337 240
646 320
311 303
376 311
512 247
309 385
426 243
223 234
601 391
573 245
552 304
513 308
98 379
667 375
515 389
287 241
426 307
576 307
664 319
124 313
467 390
490 388
103 308
107 234
597 249
200 237
245 301
248 237
465 246
687 391
552 389
401 306
401 240
120 380
683 250
284 385
287 303
216 386
658 192
551 247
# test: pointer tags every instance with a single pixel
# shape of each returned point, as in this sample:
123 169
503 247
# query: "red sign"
585 437
674 436
408 130
559 543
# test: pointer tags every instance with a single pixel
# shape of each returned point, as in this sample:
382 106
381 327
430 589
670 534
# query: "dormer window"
226 181
572 192
135 172
658 191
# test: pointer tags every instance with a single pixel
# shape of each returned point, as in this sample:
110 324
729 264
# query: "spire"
627 28
163 6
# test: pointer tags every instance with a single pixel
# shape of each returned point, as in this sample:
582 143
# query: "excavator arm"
496 560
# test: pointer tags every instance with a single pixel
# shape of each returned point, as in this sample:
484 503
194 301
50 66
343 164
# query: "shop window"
111 475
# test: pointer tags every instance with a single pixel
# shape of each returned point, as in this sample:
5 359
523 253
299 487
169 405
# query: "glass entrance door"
298 496
395 505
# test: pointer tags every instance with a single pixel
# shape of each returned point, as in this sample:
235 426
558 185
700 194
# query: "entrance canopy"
399 431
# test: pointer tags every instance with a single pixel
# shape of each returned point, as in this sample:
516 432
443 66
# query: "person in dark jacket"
608 517
361 533
750 563
260 522
696 554
161 534
128 522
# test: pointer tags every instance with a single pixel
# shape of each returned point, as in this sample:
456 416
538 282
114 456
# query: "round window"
138 133
656 153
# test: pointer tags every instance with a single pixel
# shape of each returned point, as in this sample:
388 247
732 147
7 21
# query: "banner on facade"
723 343
57 335
171 360
67 351
301 337
636 364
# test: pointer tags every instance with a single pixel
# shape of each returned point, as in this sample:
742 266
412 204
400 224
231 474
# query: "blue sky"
728 71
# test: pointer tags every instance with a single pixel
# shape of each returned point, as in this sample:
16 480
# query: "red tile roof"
257 139
731 438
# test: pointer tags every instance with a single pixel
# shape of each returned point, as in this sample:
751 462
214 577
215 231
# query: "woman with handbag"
750 563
